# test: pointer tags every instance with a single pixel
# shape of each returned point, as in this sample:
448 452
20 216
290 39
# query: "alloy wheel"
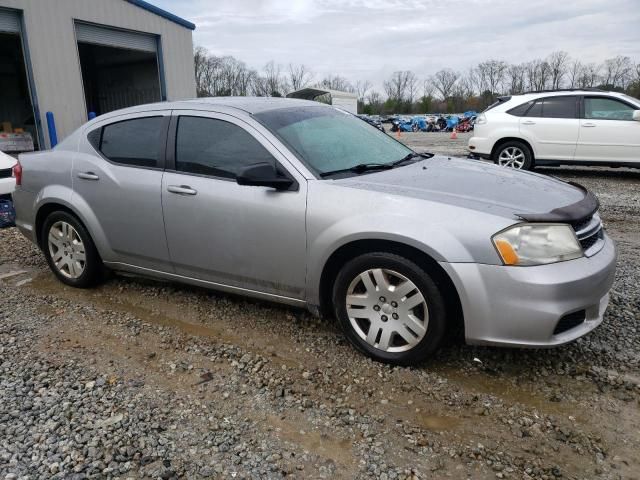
66 249
511 157
387 310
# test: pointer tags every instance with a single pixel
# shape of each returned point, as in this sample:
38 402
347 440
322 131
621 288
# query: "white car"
7 181
563 127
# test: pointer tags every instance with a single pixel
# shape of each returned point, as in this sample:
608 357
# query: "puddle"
164 312
322 444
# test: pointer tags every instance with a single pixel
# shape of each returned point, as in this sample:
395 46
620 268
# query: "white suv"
579 127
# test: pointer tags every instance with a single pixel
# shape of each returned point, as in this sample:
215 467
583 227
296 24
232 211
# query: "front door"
608 132
119 179
552 125
248 237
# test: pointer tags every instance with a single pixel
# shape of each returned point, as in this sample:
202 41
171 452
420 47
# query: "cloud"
369 39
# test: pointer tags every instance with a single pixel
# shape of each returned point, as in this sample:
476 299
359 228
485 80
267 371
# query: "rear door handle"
88 176
588 124
181 190
528 122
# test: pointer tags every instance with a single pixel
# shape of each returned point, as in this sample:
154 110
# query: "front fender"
442 245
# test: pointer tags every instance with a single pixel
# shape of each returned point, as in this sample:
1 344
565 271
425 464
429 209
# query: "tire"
514 154
390 341
64 240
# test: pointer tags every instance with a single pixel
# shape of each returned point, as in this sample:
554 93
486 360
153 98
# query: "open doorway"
16 107
115 78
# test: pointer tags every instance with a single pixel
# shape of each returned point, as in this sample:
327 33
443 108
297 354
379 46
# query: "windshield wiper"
410 156
360 168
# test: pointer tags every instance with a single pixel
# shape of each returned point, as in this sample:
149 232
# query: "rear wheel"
70 252
389 308
514 154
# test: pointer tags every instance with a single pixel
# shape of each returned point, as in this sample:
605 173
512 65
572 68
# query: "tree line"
404 92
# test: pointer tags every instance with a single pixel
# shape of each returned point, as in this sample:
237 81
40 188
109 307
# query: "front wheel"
514 154
389 308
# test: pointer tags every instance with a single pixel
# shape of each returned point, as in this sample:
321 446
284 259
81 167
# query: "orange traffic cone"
398 133
454 134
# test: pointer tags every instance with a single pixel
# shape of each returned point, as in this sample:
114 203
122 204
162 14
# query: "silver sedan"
305 204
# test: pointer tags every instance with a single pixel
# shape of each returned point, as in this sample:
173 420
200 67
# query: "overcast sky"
369 39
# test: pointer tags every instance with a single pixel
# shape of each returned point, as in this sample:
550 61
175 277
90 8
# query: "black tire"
424 283
529 163
94 270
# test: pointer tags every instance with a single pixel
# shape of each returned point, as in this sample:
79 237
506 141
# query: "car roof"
248 105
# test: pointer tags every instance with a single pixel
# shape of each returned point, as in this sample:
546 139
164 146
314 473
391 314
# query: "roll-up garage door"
9 21
111 37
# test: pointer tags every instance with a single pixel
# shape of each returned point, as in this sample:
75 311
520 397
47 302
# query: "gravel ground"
139 379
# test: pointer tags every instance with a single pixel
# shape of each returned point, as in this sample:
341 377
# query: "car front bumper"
521 306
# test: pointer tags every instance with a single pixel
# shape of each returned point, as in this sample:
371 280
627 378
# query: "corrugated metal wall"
52 44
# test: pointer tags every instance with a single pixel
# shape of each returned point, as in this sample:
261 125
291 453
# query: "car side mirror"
263 175
636 115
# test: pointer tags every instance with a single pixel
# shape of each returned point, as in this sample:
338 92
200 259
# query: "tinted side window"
606 109
520 110
559 107
133 142
214 147
535 110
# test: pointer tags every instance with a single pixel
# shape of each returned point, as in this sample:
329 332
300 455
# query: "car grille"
590 234
570 321
5 173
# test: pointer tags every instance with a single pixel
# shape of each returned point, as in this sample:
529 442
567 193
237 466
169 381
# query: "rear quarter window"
520 110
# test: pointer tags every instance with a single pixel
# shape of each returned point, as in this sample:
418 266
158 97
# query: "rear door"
118 177
608 132
247 237
551 125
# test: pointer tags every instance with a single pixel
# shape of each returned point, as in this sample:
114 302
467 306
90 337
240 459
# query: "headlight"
537 244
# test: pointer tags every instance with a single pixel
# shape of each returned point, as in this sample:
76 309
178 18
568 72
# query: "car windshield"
327 139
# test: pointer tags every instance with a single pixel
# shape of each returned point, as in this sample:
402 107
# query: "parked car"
297 202
372 121
565 127
7 181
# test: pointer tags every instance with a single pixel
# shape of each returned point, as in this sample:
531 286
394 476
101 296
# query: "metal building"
74 58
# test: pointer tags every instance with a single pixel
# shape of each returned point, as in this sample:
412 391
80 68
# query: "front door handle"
88 176
528 122
588 124
181 190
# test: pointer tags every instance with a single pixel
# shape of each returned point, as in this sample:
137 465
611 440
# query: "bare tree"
400 86
492 75
362 87
515 78
200 63
617 71
274 84
336 82
444 81
537 74
574 72
589 76
557 62
299 76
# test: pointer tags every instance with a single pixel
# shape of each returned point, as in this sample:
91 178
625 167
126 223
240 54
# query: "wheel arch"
504 140
358 247
54 205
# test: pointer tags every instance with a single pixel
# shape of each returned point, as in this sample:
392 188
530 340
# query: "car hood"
6 161
472 184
